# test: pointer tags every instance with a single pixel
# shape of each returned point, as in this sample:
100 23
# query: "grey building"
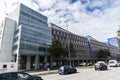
6 39
31 37
80 43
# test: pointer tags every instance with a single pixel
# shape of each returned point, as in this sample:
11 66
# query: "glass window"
16 31
15 47
23 75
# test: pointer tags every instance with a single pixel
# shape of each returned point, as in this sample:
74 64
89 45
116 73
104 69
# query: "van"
113 63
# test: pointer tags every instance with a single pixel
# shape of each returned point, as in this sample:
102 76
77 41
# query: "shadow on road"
104 70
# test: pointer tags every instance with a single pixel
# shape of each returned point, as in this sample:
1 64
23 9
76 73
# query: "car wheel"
75 71
101 68
95 68
105 68
65 72
62 73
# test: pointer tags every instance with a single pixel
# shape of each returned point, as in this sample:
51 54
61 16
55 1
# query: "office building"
114 48
80 43
94 47
28 35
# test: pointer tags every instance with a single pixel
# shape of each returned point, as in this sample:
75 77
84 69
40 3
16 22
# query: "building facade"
6 39
94 47
114 48
31 37
80 43
114 52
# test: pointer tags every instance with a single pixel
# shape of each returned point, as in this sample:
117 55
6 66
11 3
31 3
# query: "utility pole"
69 57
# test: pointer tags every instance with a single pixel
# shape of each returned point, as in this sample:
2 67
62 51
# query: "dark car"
67 70
18 76
101 65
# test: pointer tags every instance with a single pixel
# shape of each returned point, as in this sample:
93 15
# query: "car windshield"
100 62
111 62
23 75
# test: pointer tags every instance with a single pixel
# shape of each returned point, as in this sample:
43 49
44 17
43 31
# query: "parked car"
18 76
119 63
89 64
67 69
101 65
113 63
83 64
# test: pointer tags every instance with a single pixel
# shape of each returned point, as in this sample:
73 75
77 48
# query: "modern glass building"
113 41
32 36
114 48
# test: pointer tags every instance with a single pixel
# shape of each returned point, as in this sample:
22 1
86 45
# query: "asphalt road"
87 74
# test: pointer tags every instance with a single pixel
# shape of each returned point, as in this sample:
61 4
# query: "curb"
43 73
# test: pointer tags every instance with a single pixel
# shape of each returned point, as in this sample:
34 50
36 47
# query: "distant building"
24 38
80 43
113 41
114 52
95 46
114 48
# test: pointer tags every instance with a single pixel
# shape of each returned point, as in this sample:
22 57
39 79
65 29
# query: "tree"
72 50
103 54
118 34
56 50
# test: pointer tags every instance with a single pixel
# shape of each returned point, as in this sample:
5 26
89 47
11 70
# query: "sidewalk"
42 72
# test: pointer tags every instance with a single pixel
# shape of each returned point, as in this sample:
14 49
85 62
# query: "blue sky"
98 18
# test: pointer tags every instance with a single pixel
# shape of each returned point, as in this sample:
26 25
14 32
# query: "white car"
82 64
113 63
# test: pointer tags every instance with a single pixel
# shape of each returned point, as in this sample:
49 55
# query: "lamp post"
68 42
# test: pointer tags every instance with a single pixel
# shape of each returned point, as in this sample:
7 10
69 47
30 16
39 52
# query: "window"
15 47
4 66
16 31
41 49
16 39
25 14
23 75
5 76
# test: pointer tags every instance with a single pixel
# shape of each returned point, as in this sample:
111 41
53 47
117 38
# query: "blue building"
114 47
113 41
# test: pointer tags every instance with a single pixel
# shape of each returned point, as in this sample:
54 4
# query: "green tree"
118 34
56 49
72 50
103 54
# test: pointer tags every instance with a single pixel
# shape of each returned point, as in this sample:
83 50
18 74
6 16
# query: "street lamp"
68 41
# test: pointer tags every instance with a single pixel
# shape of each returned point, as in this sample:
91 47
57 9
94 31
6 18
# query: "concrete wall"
7 40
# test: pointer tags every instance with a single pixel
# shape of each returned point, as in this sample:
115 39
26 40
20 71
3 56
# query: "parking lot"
113 73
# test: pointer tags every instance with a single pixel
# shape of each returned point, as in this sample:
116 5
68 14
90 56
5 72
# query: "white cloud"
101 23
2 10
46 3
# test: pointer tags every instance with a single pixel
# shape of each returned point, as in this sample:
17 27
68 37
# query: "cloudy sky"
98 18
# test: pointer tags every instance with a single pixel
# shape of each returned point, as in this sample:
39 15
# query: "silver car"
101 65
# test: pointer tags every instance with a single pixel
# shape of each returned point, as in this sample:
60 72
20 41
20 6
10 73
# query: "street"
87 74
